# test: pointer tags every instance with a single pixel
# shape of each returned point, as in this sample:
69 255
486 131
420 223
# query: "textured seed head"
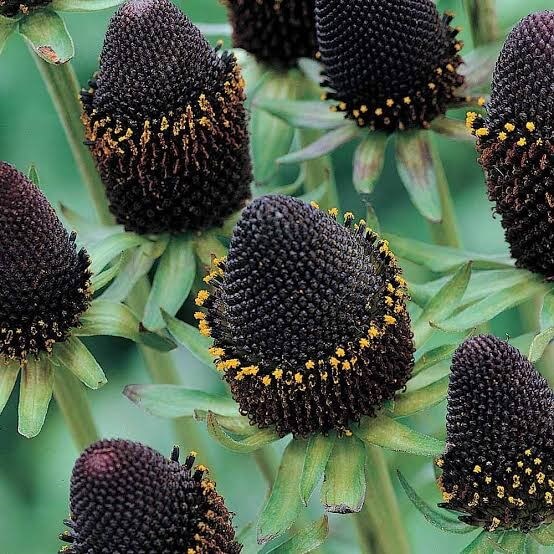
391 64
129 499
516 141
44 279
11 8
308 318
277 32
498 469
166 123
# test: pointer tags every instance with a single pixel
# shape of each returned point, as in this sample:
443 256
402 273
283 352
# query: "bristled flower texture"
498 469
165 121
44 278
12 8
516 141
127 498
308 318
390 64
276 32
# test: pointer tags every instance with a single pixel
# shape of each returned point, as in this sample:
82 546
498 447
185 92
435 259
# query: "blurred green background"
34 474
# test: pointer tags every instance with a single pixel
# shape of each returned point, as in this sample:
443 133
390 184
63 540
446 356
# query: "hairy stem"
483 21
63 87
74 405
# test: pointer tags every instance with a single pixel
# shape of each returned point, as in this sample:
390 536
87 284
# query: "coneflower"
516 141
11 8
128 498
276 32
498 468
44 278
308 318
390 64
166 123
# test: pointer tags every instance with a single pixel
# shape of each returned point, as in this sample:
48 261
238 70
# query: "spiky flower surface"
498 469
516 141
11 8
44 279
128 499
277 32
391 64
308 318
166 123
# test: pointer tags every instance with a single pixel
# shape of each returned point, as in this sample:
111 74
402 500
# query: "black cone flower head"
11 8
166 123
498 469
391 64
129 499
277 32
308 318
516 141
44 280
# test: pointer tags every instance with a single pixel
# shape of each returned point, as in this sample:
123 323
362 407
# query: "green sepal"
544 535
35 393
7 27
32 173
389 433
243 445
8 377
89 232
442 305
48 36
238 425
369 160
484 543
452 128
172 282
100 280
438 518
173 401
325 145
547 311
318 452
433 357
414 158
312 69
412 402
514 542
83 5
344 487
206 246
306 540
219 30
478 66
190 337
75 356
284 504
107 249
540 344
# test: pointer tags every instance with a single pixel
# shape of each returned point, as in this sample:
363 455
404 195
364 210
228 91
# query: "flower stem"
483 21
379 522
74 405
63 87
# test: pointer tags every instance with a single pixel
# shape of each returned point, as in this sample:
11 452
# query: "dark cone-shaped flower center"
277 32
128 498
44 280
516 141
165 121
391 64
498 469
308 318
11 8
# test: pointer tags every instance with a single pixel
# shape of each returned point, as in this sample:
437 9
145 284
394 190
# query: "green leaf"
190 338
7 27
238 425
173 401
33 174
306 540
369 159
443 259
547 311
74 356
442 305
8 377
325 145
433 357
438 518
83 5
208 245
248 538
540 343
284 504
410 403
89 232
544 535
169 293
35 392
99 280
48 36
416 168
344 487
482 544
317 455
104 251
243 445
389 433
488 308
514 542
452 128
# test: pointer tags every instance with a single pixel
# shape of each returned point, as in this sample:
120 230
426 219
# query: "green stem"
380 521
63 87
74 405
483 21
